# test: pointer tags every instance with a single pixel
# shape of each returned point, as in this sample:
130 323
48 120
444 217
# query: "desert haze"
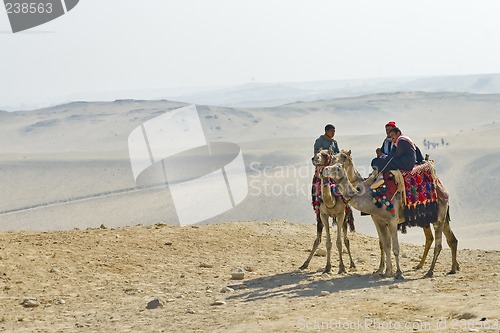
85 248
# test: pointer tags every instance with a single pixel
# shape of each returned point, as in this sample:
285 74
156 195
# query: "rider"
386 147
403 156
326 141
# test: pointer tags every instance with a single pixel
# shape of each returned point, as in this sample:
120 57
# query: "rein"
346 199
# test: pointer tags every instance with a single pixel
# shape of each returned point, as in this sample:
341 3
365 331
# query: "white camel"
359 197
330 207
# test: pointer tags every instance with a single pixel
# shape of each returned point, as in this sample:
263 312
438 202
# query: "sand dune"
59 165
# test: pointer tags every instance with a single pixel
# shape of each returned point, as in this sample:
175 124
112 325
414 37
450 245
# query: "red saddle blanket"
421 206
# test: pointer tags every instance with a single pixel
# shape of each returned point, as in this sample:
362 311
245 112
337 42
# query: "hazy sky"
108 45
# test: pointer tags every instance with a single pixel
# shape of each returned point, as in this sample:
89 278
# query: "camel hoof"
352 265
304 266
399 276
342 271
429 274
451 272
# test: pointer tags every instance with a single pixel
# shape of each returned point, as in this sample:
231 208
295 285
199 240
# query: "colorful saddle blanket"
420 195
317 190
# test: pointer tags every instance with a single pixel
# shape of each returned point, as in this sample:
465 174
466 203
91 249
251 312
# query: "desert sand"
65 172
163 278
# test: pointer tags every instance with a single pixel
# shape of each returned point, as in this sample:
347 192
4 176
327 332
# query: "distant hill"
270 94
79 151
276 94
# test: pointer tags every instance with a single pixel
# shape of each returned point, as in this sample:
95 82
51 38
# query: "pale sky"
113 45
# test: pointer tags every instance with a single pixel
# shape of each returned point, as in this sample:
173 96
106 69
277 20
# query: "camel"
330 207
359 197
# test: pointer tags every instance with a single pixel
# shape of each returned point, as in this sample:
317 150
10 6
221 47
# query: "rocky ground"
232 277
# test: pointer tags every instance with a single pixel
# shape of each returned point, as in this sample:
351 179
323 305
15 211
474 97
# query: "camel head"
339 176
325 157
335 172
344 156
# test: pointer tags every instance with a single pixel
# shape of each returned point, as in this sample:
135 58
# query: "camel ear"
349 153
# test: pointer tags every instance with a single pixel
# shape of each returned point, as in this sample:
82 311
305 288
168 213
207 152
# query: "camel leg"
452 243
438 245
347 244
387 250
324 218
381 265
393 229
317 241
385 247
340 221
428 242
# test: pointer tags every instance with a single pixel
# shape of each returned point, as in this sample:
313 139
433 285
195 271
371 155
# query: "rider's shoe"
378 182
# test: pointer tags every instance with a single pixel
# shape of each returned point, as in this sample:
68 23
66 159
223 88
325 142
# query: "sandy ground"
104 280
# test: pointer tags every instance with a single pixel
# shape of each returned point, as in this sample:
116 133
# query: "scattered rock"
30 303
103 226
218 303
55 270
320 253
238 274
242 286
190 311
226 290
325 293
394 286
155 303
206 265
60 302
168 243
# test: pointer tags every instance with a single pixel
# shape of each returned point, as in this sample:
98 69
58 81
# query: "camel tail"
349 218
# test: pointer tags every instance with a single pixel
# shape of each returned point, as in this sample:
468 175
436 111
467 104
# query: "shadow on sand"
308 284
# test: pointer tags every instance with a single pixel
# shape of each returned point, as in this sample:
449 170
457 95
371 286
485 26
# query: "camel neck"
359 197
